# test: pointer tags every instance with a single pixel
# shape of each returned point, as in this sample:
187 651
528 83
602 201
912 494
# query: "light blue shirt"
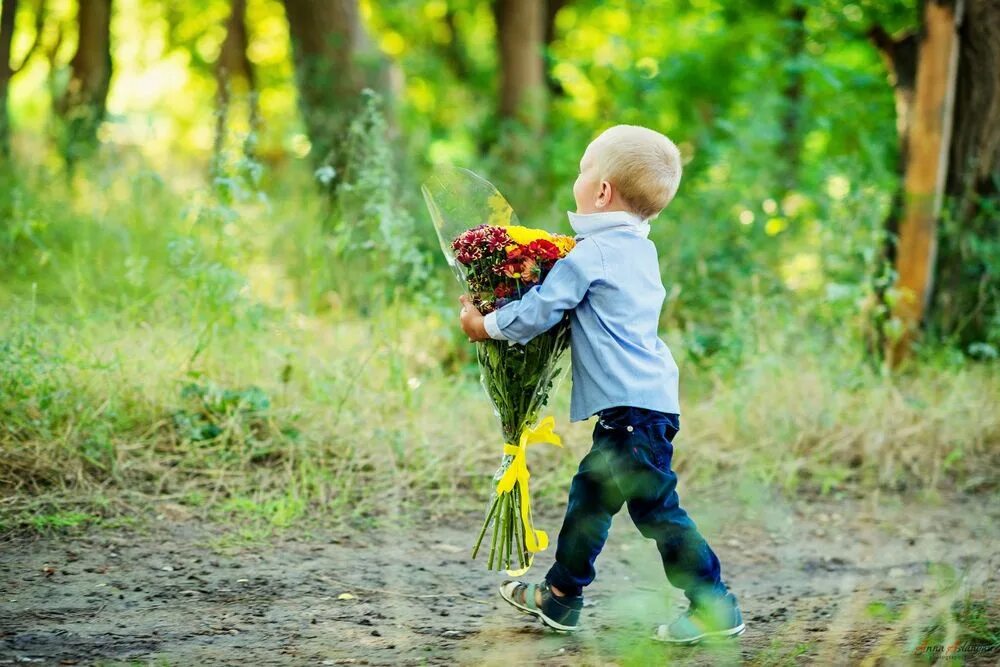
610 283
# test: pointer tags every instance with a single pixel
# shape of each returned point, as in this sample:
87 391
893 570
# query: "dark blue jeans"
629 463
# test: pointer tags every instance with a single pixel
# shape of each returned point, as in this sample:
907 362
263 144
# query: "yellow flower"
564 243
525 235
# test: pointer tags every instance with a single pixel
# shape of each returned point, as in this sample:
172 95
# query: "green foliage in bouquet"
497 262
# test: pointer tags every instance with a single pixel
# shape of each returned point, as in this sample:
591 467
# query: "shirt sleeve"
490 324
542 306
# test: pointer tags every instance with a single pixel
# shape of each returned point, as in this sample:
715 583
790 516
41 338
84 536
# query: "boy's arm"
543 305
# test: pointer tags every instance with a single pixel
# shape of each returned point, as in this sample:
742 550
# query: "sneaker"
560 613
715 619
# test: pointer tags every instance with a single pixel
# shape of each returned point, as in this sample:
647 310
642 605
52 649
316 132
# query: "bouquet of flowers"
497 261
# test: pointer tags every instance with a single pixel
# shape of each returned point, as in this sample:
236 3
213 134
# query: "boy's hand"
472 320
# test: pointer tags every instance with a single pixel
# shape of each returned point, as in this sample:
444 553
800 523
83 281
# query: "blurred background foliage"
220 285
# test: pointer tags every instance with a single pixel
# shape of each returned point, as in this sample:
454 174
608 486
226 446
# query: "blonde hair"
644 165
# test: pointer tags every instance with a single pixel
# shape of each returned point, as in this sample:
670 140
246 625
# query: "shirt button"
629 429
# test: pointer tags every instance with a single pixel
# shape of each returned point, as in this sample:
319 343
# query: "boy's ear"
604 195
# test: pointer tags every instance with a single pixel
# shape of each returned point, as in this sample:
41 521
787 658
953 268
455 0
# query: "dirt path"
820 582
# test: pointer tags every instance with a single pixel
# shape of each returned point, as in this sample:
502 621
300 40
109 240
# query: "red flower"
496 239
543 251
515 251
475 243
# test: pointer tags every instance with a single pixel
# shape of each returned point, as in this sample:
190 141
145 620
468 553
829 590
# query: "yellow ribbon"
517 473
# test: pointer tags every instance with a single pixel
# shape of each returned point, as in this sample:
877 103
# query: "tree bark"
900 57
955 268
790 149
84 102
8 15
334 61
926 124
234 64
967 290
552 8
8 12
948 274
520 31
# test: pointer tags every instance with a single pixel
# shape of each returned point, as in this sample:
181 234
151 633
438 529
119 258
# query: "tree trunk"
926 168
334 61
927 123
234 64
967 290
952 273
522 97
84 102
900 57
790 149
520 31
8 14
8 11
552 8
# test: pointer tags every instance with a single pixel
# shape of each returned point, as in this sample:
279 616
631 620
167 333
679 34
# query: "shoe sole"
718 634
554 625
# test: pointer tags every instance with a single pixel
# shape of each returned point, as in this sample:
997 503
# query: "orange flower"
530 270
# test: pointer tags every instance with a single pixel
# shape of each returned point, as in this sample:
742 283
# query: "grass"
947 623
60 520
167 344
368 419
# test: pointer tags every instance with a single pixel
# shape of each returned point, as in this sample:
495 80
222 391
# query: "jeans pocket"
661 452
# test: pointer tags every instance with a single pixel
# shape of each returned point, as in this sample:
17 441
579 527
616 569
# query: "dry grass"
368 417
793 422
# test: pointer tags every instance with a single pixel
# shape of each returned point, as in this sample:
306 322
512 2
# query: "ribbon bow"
517 473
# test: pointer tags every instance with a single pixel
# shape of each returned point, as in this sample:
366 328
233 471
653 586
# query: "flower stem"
502 535
510 528
482 531
496 529
519 534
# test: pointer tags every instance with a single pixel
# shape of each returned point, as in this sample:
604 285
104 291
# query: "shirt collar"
588 224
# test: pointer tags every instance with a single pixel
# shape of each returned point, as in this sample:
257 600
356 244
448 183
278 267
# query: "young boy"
626 375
